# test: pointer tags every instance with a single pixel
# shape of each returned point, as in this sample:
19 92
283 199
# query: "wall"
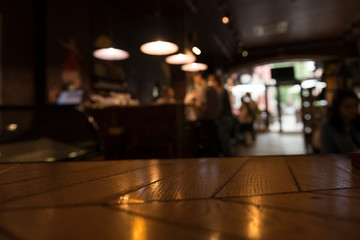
17 52
82 21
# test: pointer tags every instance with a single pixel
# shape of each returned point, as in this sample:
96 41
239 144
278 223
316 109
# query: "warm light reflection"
72 155
50 159
12 127
159 48
254 227
194 67
139 229
215 236
180 58
196 50
76 154
127 200
155 173
111 54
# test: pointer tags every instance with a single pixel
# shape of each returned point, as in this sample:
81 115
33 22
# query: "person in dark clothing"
246 121
340 133
224 119
207 110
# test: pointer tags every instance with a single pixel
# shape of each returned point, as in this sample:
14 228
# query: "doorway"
284 108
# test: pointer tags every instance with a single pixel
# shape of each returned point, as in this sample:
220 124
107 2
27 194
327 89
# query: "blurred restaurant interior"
290 58
180 119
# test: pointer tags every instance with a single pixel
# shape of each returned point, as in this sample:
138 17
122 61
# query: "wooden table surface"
278 197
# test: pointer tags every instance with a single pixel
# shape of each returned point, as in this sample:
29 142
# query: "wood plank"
318 172
202 181
62 176
246 221
29 171
349 193
313 203
95 191
260 175
344 162
5 168
93 222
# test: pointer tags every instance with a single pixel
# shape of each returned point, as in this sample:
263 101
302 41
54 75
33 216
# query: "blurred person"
246 121
206 99
206 105
254 111
340 133
252 103
167 95
224 119
189 102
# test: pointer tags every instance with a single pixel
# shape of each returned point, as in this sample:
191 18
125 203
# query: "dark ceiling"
278 28
266 29
270 29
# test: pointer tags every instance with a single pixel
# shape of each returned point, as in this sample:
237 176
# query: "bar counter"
277 197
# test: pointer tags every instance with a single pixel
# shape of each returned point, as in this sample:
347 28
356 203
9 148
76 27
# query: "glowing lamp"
180 58
159 48
194 67
111 54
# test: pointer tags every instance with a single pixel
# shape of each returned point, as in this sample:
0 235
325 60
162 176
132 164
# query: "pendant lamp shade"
180 58
194 67
111 54
159 48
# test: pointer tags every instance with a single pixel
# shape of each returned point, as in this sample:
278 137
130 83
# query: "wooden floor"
274 197
273 143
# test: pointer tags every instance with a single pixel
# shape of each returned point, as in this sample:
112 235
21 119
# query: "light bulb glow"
111 54
225 20
194 67
180 58
196 50
159 48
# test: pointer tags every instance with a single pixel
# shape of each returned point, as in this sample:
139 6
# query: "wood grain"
260 175
96 190
30 171
93 222
353 193
201 181
331 204
344 162
4 168
318 173
278 197
246 221
63 177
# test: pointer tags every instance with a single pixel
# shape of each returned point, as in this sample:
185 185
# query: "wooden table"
281 197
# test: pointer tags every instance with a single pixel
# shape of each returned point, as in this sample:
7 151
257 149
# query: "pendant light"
111 54
186 56
107 50
194 67
159 47
180 58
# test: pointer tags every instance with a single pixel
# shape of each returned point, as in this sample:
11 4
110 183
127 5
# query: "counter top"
299 196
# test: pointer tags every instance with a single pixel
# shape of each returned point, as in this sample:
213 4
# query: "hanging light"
194 67
180 58
105 47
159 48
111 54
